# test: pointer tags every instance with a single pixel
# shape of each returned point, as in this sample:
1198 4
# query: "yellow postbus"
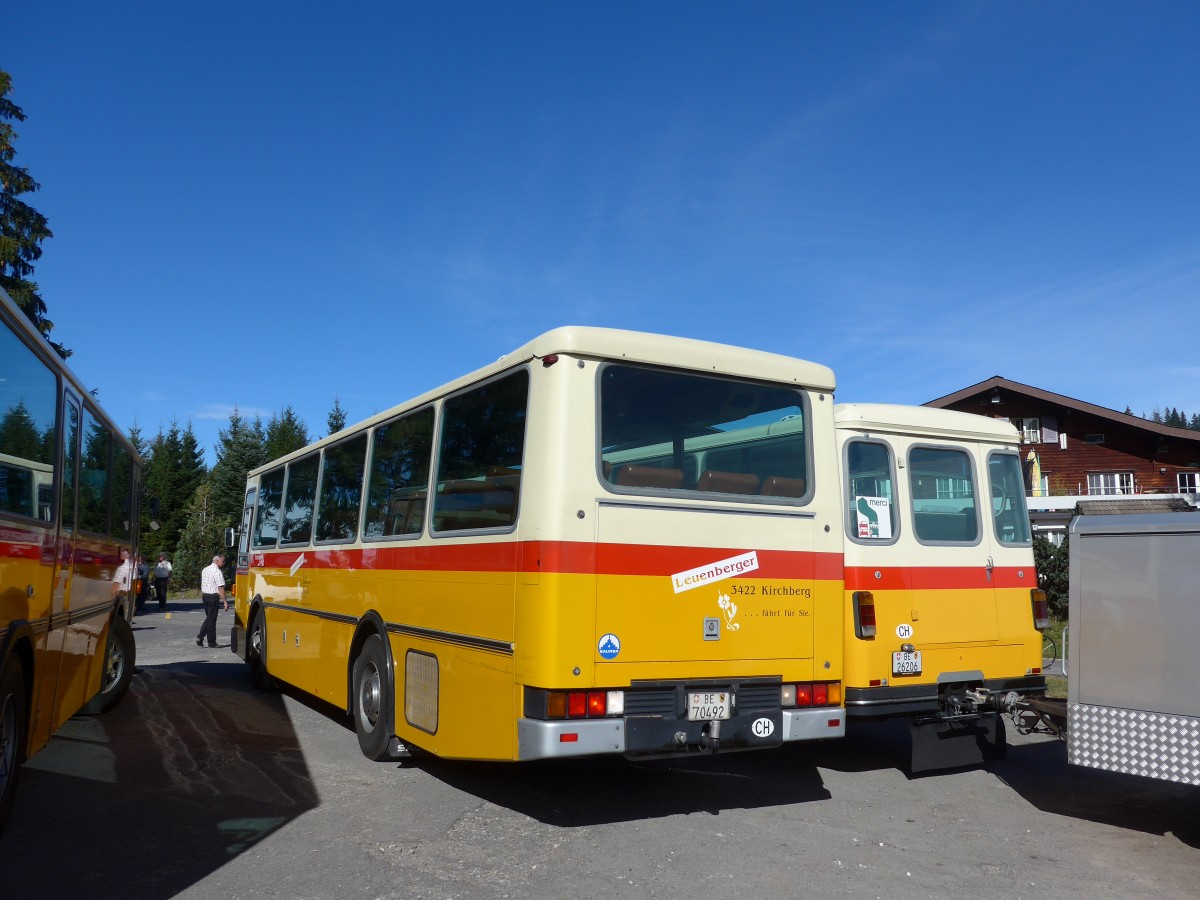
942 600
606 542
68 489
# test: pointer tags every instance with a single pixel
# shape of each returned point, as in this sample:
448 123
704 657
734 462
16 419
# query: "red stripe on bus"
556 557
929 578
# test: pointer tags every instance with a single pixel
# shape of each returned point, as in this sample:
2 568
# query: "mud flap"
950 743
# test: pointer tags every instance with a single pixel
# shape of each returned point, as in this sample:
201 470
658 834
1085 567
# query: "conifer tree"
22 228
201 539
241 448
285 432
337 417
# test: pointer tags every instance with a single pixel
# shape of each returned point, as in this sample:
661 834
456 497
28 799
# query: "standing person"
162 574
143 583
212 590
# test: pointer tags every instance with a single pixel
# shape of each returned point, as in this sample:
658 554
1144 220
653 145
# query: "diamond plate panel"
1141 743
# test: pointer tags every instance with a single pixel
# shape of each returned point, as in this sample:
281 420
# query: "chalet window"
1106 483
1093 439
1031 430
1188 482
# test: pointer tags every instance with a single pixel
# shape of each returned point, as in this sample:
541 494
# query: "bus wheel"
372 700
256 641
118 668
12 732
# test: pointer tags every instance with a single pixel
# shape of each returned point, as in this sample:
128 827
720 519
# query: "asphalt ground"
199 785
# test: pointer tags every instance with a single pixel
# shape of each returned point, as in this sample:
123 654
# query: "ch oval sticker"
763 727
904 630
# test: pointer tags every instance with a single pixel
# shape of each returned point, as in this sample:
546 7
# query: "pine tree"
1053 568
174 469
337 417
241 448
22 228
285 432
201 539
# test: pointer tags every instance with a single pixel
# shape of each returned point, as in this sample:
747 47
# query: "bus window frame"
312 514
436 462
319 499
255 521
975 485
848 496
806 417
369 468
993 516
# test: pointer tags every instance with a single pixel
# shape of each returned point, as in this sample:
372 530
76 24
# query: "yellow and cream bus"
606 542
942 600
68 489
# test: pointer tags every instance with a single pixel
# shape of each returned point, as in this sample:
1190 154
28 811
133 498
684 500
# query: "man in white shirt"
212 591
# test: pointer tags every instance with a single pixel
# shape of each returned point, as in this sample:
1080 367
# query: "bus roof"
617 345
923 421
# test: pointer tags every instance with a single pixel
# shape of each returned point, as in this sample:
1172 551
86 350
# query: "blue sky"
257 204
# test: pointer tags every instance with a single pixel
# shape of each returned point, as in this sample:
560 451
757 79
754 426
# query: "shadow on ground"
191 769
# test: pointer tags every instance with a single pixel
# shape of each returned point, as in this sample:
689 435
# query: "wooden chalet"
1077 452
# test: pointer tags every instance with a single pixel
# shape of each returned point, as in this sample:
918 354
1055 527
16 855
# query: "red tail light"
864 615
597 703
576 705
1041 609
820 695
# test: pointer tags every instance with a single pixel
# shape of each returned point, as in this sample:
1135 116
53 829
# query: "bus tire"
256 652
119 659
372 706
13 726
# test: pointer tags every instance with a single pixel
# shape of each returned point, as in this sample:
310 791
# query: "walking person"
162 574
212 591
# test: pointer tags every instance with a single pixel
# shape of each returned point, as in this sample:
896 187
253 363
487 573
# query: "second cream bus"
942 599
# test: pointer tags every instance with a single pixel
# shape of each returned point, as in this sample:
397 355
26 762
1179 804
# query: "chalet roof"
1003 385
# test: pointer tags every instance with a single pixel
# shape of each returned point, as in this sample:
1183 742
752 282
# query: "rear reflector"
568 738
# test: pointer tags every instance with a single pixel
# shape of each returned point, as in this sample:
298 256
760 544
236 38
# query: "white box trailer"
1133 660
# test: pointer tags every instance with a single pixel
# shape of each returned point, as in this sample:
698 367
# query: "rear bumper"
662 736
915 699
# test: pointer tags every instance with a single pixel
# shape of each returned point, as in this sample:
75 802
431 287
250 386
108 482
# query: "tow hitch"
966 731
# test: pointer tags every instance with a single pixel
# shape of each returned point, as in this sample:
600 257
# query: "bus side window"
398 476
266 518
483 432
341 490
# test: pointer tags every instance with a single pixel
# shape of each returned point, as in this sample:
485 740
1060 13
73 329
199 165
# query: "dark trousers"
160 591
208 631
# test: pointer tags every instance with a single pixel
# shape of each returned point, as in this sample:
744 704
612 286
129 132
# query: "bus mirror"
229 537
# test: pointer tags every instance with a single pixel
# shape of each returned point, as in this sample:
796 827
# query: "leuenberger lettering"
718 571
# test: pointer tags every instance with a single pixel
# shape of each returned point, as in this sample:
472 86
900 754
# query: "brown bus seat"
650 476
778 486
727 482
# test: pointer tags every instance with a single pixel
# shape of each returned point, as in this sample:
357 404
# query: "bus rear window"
682 431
